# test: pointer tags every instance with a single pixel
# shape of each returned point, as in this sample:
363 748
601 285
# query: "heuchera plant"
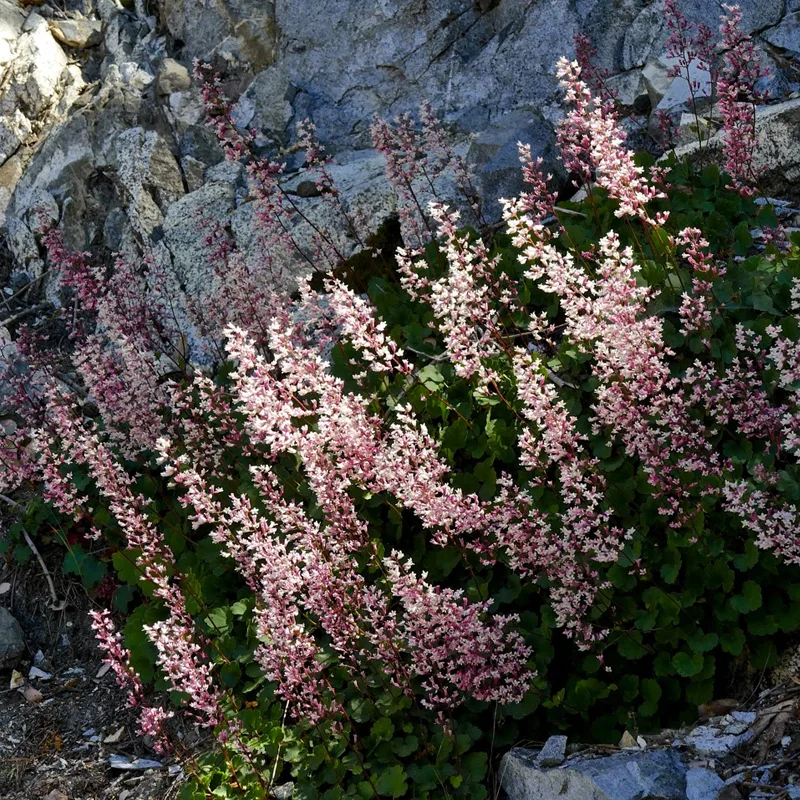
554 470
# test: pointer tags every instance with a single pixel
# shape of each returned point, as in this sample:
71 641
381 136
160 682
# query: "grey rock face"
494 156
646 775
12 641
787 34
109 149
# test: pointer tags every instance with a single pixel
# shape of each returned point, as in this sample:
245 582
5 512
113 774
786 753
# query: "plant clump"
542 478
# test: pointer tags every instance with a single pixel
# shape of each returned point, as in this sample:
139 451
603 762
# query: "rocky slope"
102 128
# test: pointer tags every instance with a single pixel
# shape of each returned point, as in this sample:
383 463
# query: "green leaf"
763 302
392 782
220 620
748 559
423 776
687 664
702 643
123 596
383 729
630 645
78 562
749 599
230 674
651 692
124 562
733 641
405 747
474 765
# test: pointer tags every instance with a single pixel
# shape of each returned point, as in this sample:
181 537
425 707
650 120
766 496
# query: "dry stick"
56 605
24 313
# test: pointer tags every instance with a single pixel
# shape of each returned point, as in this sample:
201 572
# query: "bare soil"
54 749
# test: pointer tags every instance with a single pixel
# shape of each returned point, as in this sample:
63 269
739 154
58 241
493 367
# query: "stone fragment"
652 774
117 761
777 153
627 741
631 89
494 156
12 641
114 737
265 103
686 91
703 784
717 708
35 672
173 77
553 753
656 80
710 740
78 33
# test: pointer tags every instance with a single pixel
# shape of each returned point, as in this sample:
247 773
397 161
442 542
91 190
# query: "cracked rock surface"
102 129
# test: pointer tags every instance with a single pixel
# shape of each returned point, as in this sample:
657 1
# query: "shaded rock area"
102 130
12 641
731 756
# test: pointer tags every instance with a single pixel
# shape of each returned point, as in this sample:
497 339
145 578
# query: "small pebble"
113 738
35 672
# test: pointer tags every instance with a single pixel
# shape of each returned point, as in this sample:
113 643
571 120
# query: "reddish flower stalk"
740 72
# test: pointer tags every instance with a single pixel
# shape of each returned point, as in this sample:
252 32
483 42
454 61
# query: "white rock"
123 762
35 672
691 85
134 76
657 80
114 737
173 77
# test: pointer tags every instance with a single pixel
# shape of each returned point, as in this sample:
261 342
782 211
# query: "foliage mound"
541 479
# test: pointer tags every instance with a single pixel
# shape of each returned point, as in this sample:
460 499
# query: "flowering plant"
378 531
